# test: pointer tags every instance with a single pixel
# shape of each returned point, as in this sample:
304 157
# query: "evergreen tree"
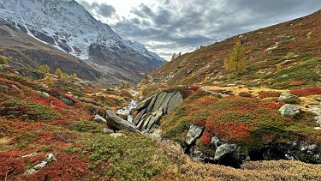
235 65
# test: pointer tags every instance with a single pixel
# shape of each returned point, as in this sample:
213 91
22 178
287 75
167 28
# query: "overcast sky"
168 26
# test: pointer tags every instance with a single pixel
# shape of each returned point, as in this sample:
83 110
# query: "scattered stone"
99 119
194 133
50 158
108 131
215 141
289 110
67 101
285 96
223 150
117 135
30 155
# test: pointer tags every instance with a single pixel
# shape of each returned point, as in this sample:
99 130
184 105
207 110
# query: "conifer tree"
58 73
44 68
235 65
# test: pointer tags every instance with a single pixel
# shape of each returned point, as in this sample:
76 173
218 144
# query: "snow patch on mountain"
66 25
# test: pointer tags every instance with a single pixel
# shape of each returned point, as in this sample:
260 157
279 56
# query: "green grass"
133 157
300 71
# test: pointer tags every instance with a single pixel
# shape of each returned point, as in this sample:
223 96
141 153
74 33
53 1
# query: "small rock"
215 141
223 150
117 135
51 158
285 96
289 110
194 132
99 119
108 131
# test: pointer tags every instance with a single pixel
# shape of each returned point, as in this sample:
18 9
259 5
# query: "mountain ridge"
265 48
69 27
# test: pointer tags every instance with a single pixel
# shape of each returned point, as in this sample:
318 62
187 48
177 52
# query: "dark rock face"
151 110
229 154
43 37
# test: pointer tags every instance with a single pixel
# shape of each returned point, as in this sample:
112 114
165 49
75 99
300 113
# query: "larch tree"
58 73
235 65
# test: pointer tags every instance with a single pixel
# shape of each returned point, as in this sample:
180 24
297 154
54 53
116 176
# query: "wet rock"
285 96
193 134
289 110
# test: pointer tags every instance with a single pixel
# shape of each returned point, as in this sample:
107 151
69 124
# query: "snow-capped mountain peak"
65 24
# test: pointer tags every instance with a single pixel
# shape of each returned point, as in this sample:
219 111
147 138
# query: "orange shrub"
268 94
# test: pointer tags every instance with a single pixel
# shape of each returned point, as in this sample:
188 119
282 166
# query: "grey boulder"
194 133
289 110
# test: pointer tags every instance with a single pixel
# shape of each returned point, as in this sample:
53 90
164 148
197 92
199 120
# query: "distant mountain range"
68 27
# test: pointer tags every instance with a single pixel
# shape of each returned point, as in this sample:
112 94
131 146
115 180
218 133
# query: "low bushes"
133 157
306 91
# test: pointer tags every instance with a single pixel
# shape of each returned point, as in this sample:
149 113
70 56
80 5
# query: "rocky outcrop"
115 122
289 110
230 154
151 110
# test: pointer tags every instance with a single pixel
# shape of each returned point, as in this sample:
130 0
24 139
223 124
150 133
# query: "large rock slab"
159 100
289 110
144 103
193 134
175 101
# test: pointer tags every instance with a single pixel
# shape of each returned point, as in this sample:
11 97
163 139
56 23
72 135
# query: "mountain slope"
67 26
24 50
287 46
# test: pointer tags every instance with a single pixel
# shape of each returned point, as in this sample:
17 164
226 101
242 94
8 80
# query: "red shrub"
206 139
297 83
194 87
245 94
10 165
268 94
306 92
231 132
60 122
67 167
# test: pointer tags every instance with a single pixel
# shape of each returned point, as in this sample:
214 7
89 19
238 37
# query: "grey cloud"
173 25
104 10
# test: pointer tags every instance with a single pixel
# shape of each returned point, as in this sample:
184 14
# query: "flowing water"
125 111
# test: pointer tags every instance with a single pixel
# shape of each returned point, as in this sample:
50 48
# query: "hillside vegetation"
280 56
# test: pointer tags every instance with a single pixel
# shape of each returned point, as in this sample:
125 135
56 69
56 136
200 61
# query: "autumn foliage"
306 91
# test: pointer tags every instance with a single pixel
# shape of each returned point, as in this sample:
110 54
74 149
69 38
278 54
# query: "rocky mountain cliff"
67 26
